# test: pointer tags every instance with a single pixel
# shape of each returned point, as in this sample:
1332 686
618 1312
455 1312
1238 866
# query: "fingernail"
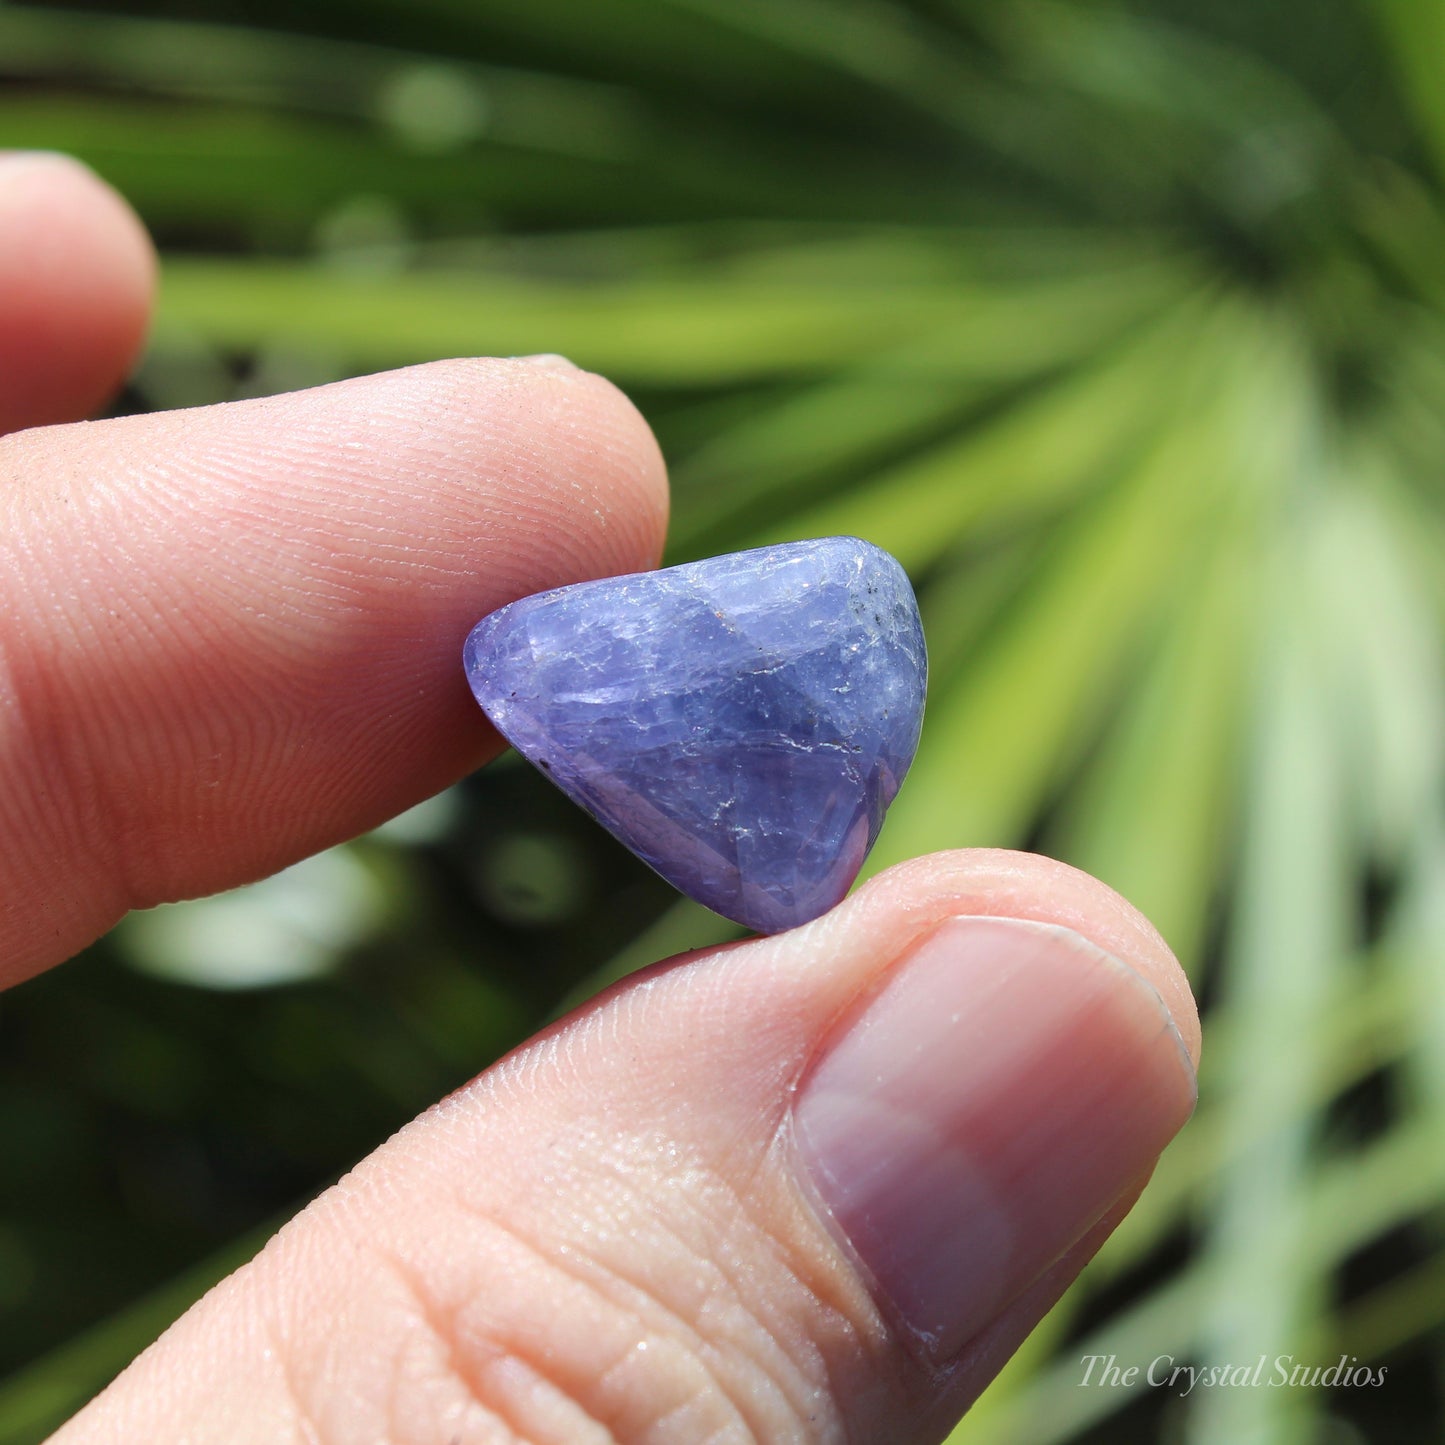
550 358
982 1111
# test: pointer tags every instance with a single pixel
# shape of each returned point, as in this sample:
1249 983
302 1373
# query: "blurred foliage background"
1119 323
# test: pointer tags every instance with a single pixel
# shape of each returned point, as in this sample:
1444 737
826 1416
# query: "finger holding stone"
232 636
809 1187
77 274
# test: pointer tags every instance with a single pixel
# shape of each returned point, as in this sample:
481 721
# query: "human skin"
810 1187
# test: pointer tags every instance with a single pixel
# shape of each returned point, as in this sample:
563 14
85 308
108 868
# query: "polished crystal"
741 723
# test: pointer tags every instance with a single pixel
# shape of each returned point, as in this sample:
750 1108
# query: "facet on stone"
741 723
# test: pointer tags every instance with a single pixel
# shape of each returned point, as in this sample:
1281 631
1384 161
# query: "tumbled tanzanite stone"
741 723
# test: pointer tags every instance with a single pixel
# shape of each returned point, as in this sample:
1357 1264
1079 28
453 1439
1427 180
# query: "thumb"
809 1187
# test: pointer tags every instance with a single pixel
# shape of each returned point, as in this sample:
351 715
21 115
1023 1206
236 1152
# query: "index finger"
231 636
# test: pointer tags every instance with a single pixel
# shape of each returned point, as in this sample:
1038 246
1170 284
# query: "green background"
1120 324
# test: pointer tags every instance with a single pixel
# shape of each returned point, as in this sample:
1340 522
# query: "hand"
809 1187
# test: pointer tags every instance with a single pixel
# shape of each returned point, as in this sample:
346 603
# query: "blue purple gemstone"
742 723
